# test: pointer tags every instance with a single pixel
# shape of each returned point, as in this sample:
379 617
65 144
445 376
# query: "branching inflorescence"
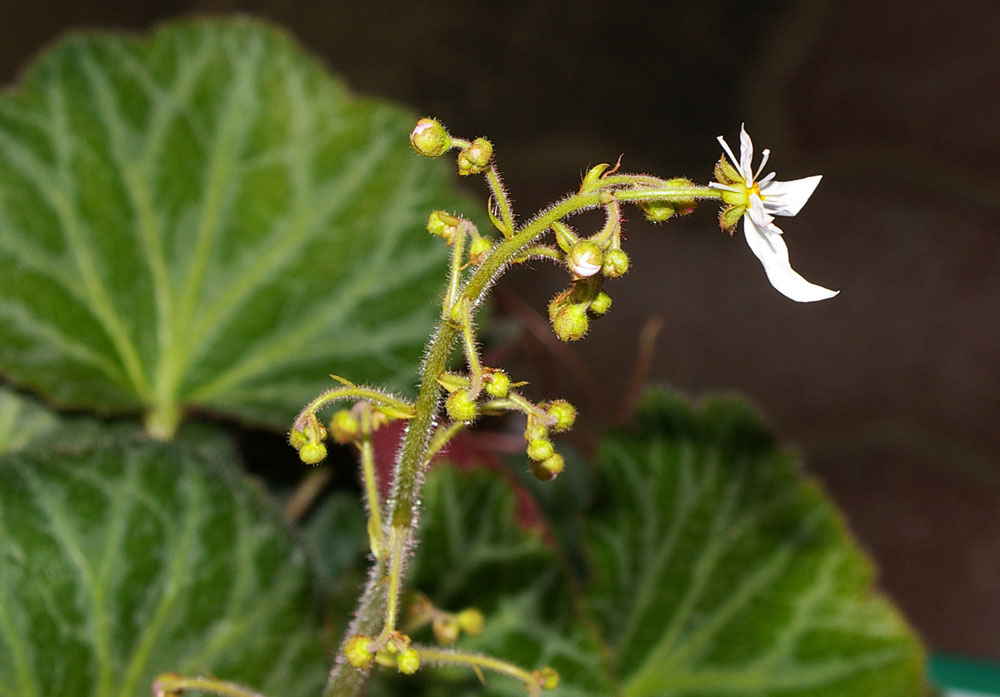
377 634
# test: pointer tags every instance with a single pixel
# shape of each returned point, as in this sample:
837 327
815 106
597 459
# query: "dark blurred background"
890 391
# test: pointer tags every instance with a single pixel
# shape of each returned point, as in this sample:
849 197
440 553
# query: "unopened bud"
357 651
442 224
548 678
497 384
540 449
446 629
585 258
408 661
600 304
571 323
344 426
615 263
429 138
563 413
462 406
471 621
479 250
312 453
657 211
546 470
475 158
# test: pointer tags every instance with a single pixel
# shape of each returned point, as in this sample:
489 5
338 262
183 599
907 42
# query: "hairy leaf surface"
123 561
205 219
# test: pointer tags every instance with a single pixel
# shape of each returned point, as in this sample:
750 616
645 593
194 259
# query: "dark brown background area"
890 391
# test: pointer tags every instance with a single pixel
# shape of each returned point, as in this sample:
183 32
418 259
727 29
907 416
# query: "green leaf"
717 570
205 219
23 421
714 570
473 553
121 562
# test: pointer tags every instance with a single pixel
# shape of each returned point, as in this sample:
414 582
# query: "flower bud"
312 453
479 250
480 152
462 406
408 661
442 224
445 627
429 138
615 263
548 469
571 323
600 304
548 678
563 413
657 211
357 651
585 258
540 449
344 426
497 384
682 206
475 158
471 621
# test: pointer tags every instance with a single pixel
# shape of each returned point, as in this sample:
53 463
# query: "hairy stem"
413 455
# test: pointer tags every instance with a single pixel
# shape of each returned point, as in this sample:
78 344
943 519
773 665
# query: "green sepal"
726 174
730 216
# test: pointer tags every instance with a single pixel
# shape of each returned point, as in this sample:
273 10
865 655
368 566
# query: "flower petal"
768 246
746 155
787 198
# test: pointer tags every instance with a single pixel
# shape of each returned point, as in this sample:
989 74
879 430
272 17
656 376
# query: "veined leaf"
718 571
714 570
121 562
205 219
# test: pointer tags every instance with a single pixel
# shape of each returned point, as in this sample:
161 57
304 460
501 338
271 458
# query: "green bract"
206 219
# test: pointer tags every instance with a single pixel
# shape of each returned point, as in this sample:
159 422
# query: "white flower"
758 201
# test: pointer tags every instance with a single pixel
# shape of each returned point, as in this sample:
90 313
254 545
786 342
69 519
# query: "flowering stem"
169 685
335 394
377 610
455 273
477 661
502 202
375 534
469 344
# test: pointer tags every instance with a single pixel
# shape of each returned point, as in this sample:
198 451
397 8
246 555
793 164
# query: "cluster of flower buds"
431 139
446 626
344 428
308 440
360 653
446 226
555 416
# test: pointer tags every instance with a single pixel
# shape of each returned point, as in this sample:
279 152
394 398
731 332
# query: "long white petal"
746 155
787 198
768 246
